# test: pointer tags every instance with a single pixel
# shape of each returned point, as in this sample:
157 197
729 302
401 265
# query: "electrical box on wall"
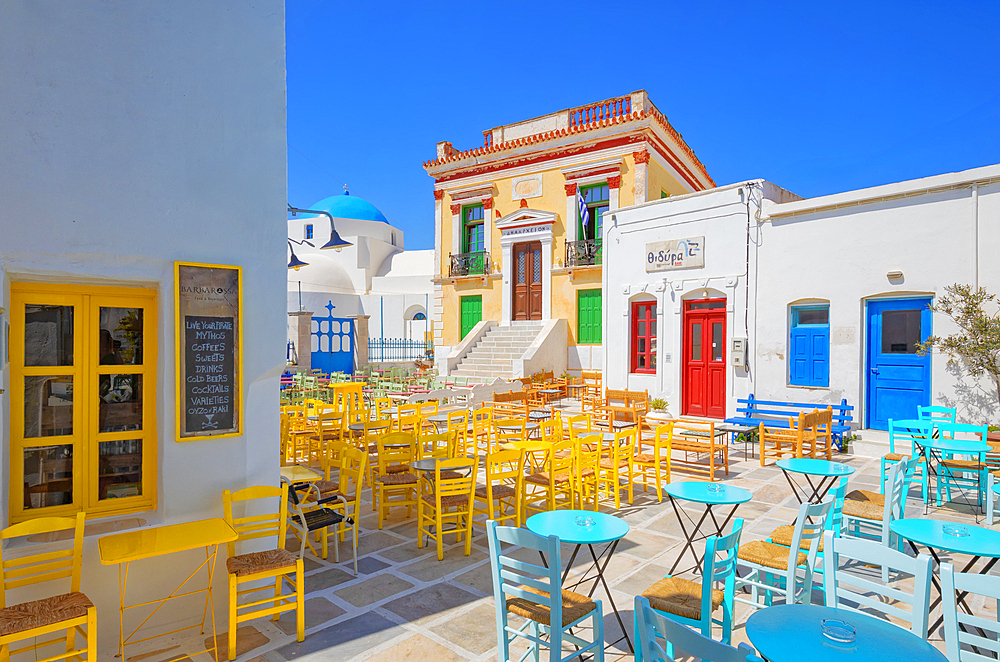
738 352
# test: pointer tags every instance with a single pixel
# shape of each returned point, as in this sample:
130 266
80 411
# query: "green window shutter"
588 317
471 313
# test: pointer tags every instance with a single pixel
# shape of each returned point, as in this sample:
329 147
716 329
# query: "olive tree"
976 346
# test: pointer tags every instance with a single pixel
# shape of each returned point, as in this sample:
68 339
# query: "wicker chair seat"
867 495
768 555
574 607
401 478
258 562
499 491
448 501
863 509
680 596
783 536
649 458
608 463
542 478
963 465
46 611
329 488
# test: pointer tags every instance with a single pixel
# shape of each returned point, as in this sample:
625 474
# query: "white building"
134 135
374 278
831 294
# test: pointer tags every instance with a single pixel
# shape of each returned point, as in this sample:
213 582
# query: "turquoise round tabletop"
792 633
815 467
979 540
562 523
698 491
955 445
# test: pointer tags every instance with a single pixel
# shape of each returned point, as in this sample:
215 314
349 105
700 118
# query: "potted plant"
658 411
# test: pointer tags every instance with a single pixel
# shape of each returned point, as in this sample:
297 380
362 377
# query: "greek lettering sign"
209 346
675 254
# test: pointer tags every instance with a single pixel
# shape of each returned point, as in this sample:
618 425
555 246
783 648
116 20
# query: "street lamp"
336 242
295 263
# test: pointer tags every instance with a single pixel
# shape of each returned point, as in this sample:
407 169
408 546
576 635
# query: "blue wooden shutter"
808 353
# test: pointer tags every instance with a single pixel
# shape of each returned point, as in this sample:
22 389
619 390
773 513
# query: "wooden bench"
775 414
699 437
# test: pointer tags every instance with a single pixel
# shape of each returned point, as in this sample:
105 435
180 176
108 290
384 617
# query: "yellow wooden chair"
395 452
586 465
550 430
458 426
503 494
329 427
445 499
33 620
778 442
508 431
553 487
482 430
652 458
443 445
381 404
616 463
278 564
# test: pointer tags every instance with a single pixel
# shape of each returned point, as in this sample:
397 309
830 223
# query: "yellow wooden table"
295 473
123 548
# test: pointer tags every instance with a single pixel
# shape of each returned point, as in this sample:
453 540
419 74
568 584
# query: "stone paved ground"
406 605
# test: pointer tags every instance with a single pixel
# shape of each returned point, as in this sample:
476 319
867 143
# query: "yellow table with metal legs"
122 549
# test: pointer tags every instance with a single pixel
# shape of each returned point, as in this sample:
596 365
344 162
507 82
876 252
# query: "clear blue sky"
818 98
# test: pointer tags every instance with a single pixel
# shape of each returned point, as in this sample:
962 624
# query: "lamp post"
336 242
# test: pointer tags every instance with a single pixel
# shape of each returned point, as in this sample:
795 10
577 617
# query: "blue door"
899 380
333 346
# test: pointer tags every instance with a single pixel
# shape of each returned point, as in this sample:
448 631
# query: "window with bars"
644 337
596 198
473 229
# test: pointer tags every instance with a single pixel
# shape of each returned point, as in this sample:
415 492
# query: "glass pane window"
696 341
716 341
120 336
120 406
593 194
644 336
48 335
120 469
48 406
900 331
48 476
812 316
474 238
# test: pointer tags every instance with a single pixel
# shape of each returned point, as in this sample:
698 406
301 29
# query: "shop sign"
675 254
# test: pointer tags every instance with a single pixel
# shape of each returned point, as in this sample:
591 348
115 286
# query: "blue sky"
816 97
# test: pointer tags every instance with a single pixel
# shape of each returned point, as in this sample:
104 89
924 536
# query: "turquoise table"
793 633
933 451
697 491
979 543
826 471
606 529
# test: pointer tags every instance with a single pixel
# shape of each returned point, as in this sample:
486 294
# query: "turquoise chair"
849 583
992 492
672 596
526 589
978 631
868 519
937 414
901 432
955 472
651 625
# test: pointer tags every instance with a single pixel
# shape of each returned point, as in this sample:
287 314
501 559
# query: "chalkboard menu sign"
209 344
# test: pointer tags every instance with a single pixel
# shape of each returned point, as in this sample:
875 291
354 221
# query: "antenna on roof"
346 192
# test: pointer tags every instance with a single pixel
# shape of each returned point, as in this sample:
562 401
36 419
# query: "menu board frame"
208 299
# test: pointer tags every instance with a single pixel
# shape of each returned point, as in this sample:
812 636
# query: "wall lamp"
336 242
295 263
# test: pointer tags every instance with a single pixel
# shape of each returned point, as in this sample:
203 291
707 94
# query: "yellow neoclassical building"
519 223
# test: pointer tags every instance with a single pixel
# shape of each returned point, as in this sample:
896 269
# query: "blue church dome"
350 206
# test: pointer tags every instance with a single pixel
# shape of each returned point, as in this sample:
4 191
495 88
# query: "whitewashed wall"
134 135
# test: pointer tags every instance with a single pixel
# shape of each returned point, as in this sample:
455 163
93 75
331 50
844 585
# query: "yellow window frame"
86 372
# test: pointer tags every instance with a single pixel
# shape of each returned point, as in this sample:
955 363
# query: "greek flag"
584 212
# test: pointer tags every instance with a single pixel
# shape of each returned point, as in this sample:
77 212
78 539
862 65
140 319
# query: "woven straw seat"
542 478
608 463
448 474
680 596
563 454
863 508
499 491
401 478
574 607
587 472
328 488
895 457
648 458
867 495
963 465
47 611
448 501
768 555
256 562
783 536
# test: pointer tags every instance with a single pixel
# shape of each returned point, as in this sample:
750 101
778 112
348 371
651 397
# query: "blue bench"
775 413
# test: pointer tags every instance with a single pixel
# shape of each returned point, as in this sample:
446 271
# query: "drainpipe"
975 236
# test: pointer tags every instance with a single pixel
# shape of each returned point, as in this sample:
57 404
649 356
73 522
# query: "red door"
527 279
704 385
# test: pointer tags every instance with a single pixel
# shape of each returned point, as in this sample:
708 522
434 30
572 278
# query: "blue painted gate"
899 380
332 343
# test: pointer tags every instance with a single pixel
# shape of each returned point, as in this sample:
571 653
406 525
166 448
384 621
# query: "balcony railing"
583 253
470 264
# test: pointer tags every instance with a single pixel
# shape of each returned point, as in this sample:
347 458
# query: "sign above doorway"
675 254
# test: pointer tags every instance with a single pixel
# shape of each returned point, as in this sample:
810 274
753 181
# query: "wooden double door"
527 281
704 386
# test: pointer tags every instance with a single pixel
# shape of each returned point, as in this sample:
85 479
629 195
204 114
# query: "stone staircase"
493 355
